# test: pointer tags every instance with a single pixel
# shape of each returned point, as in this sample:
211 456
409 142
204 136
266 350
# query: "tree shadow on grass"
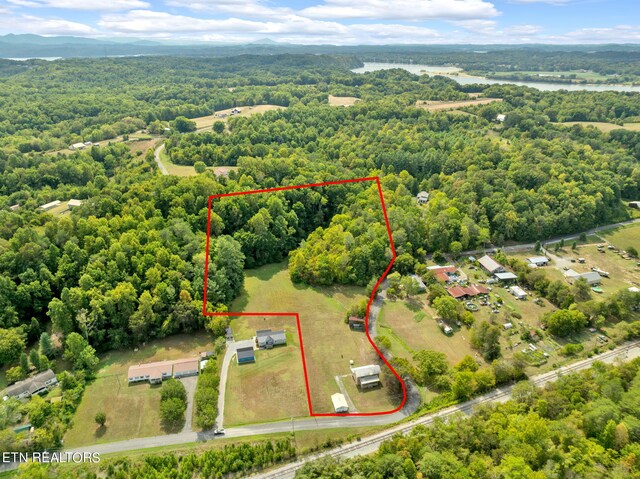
172 427
100 431
415 305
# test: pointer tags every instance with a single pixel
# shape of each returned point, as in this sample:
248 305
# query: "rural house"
458 292
185 367
446 274
422 198
244 352
340 404
592 278
37 384
366 376
154 372
74 203
267 339
634 204
490 265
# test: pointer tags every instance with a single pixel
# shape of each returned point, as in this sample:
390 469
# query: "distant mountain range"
35 46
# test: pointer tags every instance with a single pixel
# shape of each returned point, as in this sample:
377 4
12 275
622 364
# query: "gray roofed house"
33 385
244 351
267 339
366 376
490 265
592 278
538 260
422 198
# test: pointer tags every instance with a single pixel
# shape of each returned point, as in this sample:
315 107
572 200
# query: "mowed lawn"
413 327
329 344
270 389
624 236
132 411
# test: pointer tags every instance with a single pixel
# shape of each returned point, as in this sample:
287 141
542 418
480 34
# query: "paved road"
528 246
156 155
371 444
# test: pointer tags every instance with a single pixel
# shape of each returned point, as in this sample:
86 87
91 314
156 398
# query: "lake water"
468 79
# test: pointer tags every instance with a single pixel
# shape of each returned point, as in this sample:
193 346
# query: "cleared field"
329 344
132 411
343 100
142 145
270 389
452 105
206 122
186 170
401 319
623 236
602 126
60 210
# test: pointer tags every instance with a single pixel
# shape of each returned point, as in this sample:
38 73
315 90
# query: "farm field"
602 126
342 100
186 170
329 344
447 105
270 389
132 411
206 122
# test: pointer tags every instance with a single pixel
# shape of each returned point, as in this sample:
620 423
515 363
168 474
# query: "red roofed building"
443 273
464 291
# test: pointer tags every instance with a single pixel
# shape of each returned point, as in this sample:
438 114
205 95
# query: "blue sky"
340 22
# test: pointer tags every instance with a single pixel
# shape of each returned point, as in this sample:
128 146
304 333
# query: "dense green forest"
128 265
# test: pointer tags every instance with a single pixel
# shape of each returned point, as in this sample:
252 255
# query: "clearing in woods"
452 105
343 100
329 347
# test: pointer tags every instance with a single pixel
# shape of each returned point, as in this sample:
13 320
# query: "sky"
337 22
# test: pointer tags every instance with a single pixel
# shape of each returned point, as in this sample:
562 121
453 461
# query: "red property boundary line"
296 315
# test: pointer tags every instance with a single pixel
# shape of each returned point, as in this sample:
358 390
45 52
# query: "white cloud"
616 34
45 26
93 5
523 29
244 8
402 9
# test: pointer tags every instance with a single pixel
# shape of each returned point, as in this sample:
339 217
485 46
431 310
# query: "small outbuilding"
356 323
340 404
592 278
538 260
14 207
506 277
74 203
244 352
501 117
634 204
518 292
48 206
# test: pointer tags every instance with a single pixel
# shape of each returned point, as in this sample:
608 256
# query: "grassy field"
186 170
206 122
623 236
603 126
270 389
329 344
342 100
453 105
413 327
132 411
